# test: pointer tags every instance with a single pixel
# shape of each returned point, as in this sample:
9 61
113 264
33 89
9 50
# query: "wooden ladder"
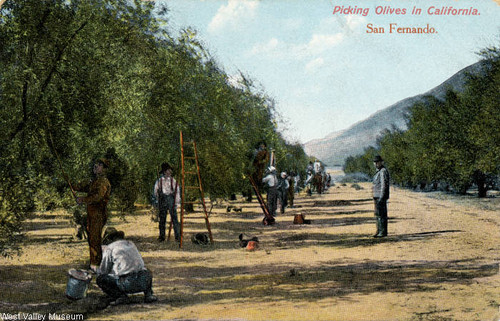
268 218
199 187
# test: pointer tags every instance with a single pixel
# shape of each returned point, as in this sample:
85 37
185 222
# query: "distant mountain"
337 146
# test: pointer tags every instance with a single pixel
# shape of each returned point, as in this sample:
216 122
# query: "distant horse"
318 182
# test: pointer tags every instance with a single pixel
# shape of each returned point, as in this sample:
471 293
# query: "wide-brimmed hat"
165 167
377 159
103 161
112 234
272 169
200 239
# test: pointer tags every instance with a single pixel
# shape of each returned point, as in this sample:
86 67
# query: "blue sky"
324 70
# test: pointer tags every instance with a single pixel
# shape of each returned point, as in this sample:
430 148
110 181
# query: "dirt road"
439 262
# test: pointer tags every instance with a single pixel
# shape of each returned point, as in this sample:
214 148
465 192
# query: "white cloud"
318 44
321 42
353 21
345 25
307 91
351 24
271 48
291 24
232 15
314 64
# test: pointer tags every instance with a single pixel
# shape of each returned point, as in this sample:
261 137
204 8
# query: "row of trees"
455 141
83 79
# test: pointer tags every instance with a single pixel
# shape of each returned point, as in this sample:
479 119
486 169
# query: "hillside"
334 148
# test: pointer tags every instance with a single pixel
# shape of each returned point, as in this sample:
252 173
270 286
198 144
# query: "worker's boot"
149 297
383 225
124 299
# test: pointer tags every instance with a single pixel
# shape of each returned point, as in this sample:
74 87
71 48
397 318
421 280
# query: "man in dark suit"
381 195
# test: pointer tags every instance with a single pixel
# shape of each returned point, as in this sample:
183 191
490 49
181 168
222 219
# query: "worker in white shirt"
167 192
272 193
122 270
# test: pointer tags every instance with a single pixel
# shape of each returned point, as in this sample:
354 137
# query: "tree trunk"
482 190
480 180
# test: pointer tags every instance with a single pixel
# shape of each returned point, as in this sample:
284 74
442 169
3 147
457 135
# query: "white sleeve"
177 194
156 188
107 261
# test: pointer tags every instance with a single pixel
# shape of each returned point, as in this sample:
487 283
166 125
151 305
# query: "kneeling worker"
122 270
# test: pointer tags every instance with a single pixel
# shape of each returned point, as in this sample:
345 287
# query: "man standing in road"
381 195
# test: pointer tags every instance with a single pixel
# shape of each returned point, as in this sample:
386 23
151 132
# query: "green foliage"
123 181
294 159
361 163
16 198
96 78
399 164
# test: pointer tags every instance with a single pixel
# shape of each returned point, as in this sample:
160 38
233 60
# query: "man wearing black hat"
98 191
167 193
122 270
381 195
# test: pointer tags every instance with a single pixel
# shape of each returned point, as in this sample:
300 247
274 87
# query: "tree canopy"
85 79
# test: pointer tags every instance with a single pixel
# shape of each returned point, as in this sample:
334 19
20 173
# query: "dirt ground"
439 262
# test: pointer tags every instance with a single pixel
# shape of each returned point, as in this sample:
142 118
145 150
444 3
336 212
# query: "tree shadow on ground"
151 244
37 223
332 203
45 239
183 287
350 212
36 288
29 288
30 227
319 202
292 236
242 215
48 216
352 240
310 211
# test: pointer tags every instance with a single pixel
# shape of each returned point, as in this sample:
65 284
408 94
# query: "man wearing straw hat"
122 270
98 191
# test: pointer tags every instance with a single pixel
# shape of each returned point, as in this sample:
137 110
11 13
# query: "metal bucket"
78 282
